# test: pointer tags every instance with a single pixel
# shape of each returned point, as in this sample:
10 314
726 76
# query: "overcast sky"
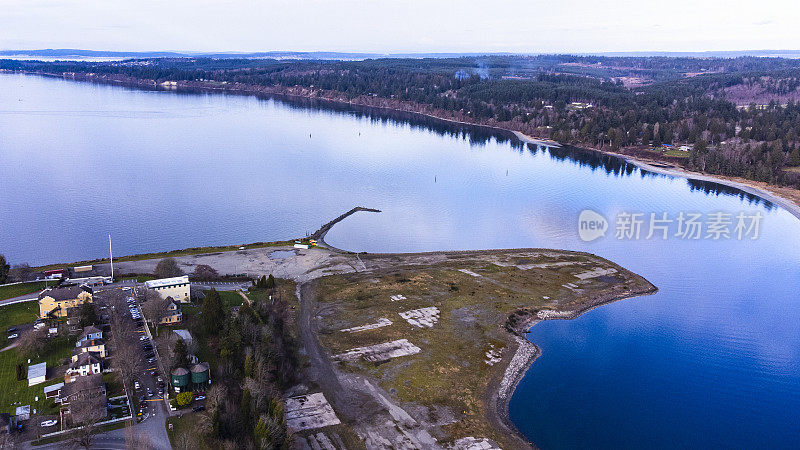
528 26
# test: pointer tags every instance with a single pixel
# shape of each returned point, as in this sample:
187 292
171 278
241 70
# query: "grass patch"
15 290
113 384
97 430
186 425
16 314
171 253
795 169
678 153
230 299
14 393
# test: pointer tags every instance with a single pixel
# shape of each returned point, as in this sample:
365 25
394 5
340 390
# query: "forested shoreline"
623 104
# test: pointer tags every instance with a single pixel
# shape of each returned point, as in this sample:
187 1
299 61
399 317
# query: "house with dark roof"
89 333
83 365
174 314
54 302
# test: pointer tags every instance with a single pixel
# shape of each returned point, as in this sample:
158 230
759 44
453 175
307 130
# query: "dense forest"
741 116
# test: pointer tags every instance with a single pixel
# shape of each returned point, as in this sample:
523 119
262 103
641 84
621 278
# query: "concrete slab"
306 412
422 317
379 324
380 352
597 272
473 443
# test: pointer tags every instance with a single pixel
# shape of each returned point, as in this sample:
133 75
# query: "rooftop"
54 387
85 358
37 370
167 282
65 293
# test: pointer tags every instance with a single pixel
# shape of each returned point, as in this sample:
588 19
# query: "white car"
49 423
13 336
143 338
136 385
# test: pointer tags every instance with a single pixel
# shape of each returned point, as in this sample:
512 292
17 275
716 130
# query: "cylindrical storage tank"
180 377
200 373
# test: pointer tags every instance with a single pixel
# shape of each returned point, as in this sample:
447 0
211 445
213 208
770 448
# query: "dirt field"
425 341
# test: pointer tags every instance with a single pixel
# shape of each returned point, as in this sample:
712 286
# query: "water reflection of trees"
613 165
481 135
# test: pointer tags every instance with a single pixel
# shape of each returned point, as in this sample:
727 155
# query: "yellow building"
94 346
56 301
174 314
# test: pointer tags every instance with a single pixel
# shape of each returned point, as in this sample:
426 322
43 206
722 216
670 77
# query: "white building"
85 364
176 287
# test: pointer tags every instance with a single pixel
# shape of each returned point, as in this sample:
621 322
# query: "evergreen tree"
794 157
180 354
4 267
213 314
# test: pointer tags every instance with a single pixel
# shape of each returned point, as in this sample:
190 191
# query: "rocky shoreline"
502 386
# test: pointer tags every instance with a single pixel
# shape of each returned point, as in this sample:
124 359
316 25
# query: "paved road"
222 285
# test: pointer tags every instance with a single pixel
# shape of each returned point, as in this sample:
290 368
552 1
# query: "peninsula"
418 349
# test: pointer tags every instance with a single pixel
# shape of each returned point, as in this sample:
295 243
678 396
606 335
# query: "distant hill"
69 53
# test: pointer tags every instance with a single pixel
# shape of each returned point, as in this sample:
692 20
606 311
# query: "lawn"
185 425
15 290
230 299
14 393
169 254
678 153
16 314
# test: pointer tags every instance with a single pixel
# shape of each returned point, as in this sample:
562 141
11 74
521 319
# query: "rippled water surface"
712 360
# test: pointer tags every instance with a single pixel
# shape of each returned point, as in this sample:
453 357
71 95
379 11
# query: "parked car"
39 325
200 397
49 423
13 336
143 337
136 385
12 329
199 408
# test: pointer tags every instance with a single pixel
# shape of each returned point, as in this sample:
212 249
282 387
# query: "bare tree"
167 268
185 441
7 442
32 341
86 408
155 309
127 359
136 441
20 272
205 272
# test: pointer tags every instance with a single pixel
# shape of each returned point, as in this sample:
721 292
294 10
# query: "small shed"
53 391
23 412
37 373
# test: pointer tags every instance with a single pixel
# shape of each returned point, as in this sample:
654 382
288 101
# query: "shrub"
184 398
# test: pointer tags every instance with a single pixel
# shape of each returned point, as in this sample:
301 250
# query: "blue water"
711 360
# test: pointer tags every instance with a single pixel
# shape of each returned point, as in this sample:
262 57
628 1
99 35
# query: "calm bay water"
712 360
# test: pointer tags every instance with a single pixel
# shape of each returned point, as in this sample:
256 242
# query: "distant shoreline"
790 203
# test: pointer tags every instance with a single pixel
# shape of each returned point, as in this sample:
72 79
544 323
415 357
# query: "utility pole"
111 257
